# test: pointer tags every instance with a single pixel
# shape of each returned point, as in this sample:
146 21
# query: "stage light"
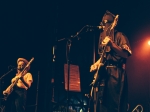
149 42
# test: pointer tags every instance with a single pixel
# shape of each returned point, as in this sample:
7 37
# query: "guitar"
101 59
9 89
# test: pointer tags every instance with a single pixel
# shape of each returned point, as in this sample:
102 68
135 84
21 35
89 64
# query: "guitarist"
113 98
18 95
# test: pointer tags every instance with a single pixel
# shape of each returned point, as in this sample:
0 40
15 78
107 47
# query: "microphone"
11 67
99 27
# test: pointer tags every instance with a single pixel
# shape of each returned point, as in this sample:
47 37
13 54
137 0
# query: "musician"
18 96
113 78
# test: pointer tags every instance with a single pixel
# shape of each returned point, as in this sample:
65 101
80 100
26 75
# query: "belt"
113 64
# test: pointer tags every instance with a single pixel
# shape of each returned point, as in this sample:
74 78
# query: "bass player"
18 95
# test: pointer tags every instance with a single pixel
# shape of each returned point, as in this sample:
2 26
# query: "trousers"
17 100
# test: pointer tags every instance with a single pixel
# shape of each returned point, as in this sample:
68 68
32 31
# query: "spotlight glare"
149 42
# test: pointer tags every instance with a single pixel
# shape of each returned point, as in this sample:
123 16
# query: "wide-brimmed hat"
25 61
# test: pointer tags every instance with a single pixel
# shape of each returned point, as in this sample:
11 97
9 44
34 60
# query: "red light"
148 42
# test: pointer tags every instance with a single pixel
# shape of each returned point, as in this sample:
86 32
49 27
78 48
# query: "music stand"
72 82
74 78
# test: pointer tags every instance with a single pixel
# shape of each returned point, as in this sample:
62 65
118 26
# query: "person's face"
106 24
107 21
21 65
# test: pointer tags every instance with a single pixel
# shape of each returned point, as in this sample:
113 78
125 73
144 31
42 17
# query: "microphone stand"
68 62
68 45
37 90
2 106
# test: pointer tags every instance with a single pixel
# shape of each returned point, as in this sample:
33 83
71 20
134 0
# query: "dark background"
29 29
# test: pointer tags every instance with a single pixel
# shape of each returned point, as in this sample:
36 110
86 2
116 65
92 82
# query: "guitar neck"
102 54
14 83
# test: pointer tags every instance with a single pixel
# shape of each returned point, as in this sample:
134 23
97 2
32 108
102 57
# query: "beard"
20 69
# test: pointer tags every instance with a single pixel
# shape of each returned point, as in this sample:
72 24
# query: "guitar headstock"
114 22
29 62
